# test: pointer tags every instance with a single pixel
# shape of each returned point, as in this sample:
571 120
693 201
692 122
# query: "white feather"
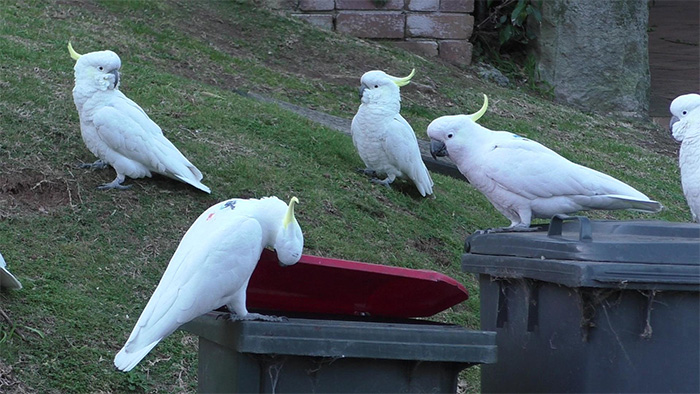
524 179
686 109
119 132
384 140
7 280
211 268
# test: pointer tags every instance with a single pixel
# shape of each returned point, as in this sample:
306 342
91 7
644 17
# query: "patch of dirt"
657 140
433 247
29 189
331 209
9 383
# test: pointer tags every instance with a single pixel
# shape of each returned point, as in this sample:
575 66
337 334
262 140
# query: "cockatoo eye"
100 68
684 112
450 135
376 86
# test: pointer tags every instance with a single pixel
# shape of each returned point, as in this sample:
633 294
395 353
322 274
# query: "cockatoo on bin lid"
211 268
685 128
384 140
524 179
118 131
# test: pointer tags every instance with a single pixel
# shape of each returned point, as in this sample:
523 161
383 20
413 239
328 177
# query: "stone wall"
595 54
432 28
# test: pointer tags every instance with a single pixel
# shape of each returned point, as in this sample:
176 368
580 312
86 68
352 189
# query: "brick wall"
433 28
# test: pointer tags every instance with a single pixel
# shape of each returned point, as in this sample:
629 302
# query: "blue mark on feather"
230 204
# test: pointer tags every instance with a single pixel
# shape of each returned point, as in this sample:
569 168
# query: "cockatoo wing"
212 263
135 137
401 147
532 170
134 111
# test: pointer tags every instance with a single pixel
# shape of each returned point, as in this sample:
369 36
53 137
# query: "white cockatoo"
685 128
7 280
385 141
211 268
118 131
524 179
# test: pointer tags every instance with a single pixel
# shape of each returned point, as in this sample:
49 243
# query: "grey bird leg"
386 182
256 316
115 184
99 164
514 229
367 171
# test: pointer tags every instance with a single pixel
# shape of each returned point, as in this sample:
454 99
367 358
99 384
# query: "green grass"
89 259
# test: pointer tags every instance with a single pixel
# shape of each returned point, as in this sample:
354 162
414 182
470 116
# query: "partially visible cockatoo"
685 128
385 141
211 268
118 131
7 280
524 179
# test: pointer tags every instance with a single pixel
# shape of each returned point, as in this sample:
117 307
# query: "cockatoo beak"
405 80
75 55
116 77
437 148
674 119
477 115
362 91
289 217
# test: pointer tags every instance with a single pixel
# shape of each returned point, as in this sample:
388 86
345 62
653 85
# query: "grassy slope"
89 259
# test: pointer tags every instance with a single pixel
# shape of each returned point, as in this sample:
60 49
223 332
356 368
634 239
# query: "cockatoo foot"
115 184
523 229
256 316
512 229
367 171
97 165
386 182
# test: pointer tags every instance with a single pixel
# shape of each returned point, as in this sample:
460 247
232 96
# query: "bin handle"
585 229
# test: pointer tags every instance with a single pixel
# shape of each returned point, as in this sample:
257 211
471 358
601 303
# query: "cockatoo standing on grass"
524 179
385 141
7 280
685 128
118 131
211 268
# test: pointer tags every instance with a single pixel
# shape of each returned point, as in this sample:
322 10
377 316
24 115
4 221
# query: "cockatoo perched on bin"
118 131
524 179
7 280
685 128
211 268
385 141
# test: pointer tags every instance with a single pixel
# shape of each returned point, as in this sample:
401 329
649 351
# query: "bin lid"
576 251
341 287
420 341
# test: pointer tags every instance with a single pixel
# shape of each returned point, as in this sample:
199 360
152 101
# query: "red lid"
342 287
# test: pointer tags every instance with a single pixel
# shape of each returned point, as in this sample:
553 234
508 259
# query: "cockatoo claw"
367 171
115 184
508 229
515 229
97 165
386 182
257 316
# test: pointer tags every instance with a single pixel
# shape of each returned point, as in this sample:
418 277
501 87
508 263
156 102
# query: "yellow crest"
478 114
75 55
405 80
289 217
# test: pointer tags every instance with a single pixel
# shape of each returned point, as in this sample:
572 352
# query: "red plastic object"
342 287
